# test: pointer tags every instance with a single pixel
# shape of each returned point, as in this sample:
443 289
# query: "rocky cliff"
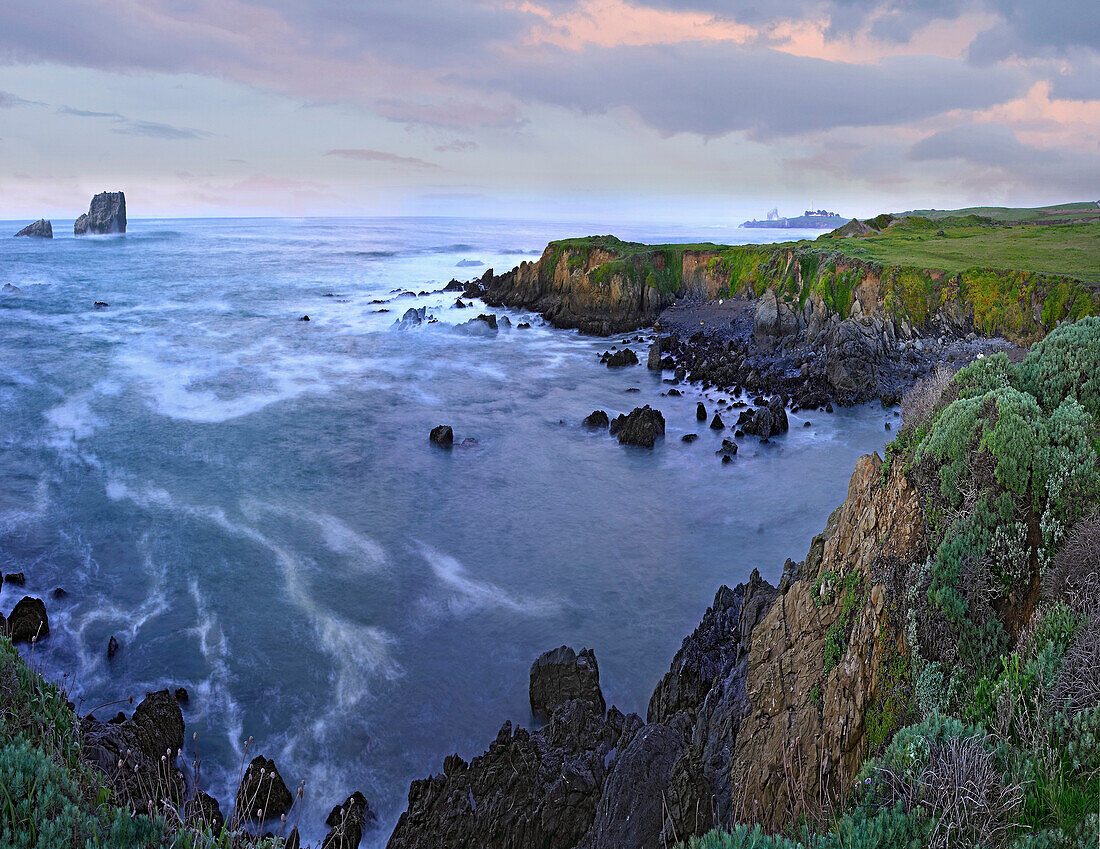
106 214
40 229
762 715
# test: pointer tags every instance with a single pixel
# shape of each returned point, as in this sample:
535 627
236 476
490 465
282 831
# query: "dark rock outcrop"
442 435
619 359
528 789
347 822
106 214
28 620
701 412
205 808
716 423
641 427
413 317
654 359
147 744
767 421
112 647
9 289
597 418
560 676
40 229
262 790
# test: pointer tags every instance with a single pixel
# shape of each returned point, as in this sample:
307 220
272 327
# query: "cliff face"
591 290
763 713
106 214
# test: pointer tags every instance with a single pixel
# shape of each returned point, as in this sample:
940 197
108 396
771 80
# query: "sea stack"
40 229
106 214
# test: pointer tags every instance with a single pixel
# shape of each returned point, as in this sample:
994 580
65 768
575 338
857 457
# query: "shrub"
921 403
1066 364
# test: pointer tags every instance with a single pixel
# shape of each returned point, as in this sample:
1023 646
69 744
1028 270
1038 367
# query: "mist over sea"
250 503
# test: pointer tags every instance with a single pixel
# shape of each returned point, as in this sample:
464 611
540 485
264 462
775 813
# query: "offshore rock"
106 214
618 359
597 418
40 229
442 435
640 427
767 421
560 676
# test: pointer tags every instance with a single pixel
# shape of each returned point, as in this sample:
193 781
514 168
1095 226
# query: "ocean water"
250 503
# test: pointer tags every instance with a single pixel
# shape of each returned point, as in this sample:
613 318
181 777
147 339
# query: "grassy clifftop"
1061 213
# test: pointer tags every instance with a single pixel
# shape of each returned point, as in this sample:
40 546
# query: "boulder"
766 422
262 789
597 418
716 423
689 437
654 359
28 620
641 427
453 286
40 229
625 357
106 214
728 449
490 319
442 435
347 821
16 579
412 318
181 695
701 412
112 647
560 676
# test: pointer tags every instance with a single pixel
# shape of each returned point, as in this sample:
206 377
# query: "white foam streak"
468 595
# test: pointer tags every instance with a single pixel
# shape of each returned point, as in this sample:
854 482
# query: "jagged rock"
442 435
347 822
16 579
413 317
489 319
460 304
28 620
716 423
528 789
40 229
854 352
619 359
262 789
100 305
106 214
728 449
147 743
58 593
689 437
181 695
641 427
453 286
700 412
560 676
597 418
772 321
112 647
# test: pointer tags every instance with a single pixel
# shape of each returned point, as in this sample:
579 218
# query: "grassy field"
1060 213
1068 249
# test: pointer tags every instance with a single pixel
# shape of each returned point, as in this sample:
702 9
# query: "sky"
564 109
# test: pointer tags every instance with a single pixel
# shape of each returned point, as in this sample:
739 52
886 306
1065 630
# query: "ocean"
250 503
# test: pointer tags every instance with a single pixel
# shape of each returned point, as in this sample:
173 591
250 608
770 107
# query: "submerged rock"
619 359
106 214
641 427
560 676
442 435
28 620
413 317
9 289
112 647
40 229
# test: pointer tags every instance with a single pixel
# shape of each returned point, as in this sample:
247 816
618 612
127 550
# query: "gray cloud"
456 146
380 156
155 130
714 89
10 101
85 113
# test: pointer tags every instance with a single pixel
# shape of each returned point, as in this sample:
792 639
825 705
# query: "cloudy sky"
578 109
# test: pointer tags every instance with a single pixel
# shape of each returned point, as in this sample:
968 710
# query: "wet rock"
619 359
40 229
304 318
523 325
728 449
689 437
9 289
460 304
469 442
112 647
768 421
16 579
489 319
347 822
100 305
182 695
597 418
28 620
442 435
716 423
641 427
453 286
700 412
654 359
106 214
262 789
413 317
560 676
59 593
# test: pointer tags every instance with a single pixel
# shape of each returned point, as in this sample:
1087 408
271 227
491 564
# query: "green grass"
1009 215
1072 250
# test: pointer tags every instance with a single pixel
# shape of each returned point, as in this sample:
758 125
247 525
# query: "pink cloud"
381 156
